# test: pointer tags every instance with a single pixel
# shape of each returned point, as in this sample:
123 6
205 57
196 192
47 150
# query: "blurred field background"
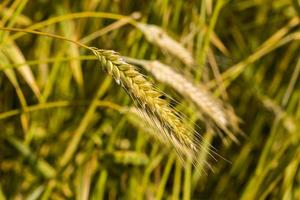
66 130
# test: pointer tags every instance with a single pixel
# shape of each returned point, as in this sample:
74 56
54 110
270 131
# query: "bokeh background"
66 133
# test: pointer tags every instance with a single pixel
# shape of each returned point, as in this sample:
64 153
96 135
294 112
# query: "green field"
157 99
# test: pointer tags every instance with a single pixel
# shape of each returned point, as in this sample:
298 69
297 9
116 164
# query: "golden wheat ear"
158 110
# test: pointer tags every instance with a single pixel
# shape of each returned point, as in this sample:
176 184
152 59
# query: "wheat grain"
221 114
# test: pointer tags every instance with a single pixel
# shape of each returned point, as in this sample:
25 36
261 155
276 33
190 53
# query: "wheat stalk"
221 114
167 119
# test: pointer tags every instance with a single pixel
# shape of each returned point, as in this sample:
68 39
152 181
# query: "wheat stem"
140 89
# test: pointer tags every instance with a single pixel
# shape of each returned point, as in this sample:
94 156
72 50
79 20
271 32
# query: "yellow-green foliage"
200 102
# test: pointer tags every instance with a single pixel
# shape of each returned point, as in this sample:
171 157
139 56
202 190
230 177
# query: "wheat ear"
157 36
221 114
148 98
